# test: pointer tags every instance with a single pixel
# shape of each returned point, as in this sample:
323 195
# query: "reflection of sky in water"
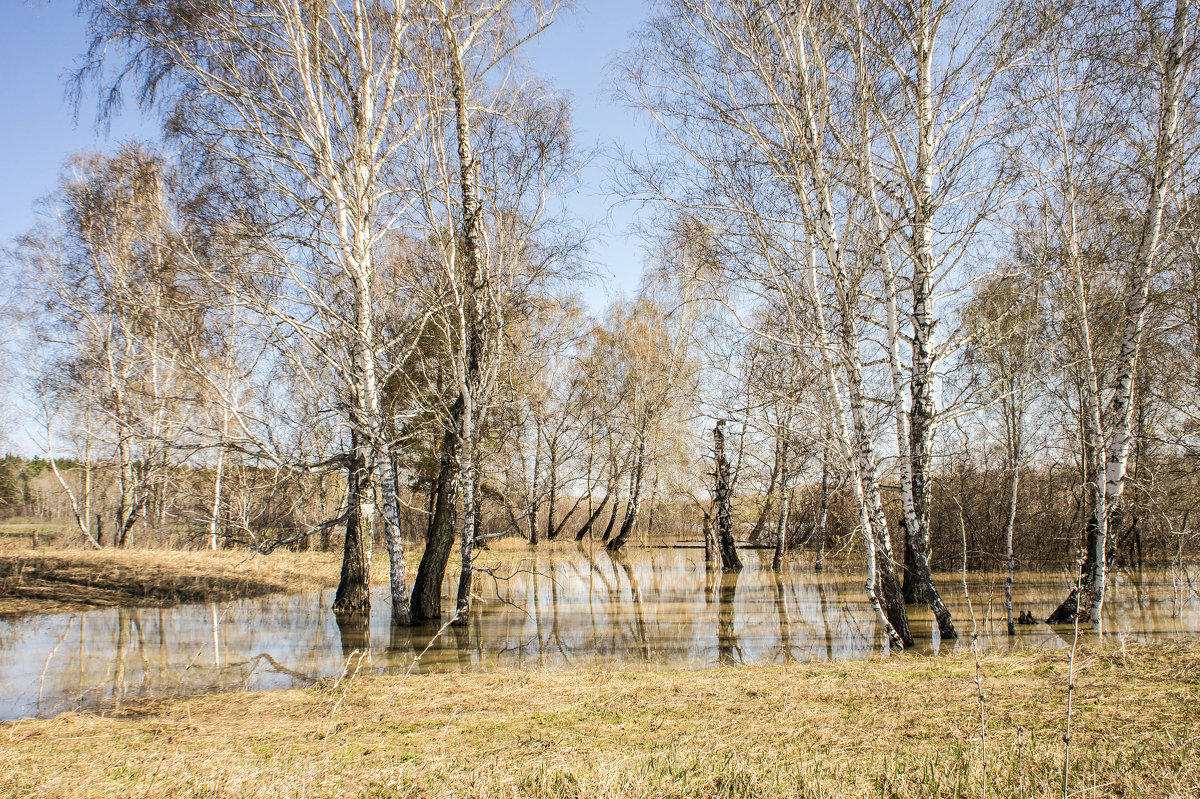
657 606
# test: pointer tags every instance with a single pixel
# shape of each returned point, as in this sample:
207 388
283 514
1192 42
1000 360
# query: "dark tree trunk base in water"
913 593
892 598
354 592
730 561
426 600
351 601
1065 613
591 520
623 536
612 520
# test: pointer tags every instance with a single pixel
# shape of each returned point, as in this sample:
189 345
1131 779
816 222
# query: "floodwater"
651 607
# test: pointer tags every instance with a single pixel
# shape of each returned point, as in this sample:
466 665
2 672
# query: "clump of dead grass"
895 728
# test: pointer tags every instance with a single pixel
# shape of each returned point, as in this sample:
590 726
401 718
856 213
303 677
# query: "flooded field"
653 607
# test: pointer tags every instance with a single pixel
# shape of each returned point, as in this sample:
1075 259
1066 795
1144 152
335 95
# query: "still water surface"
654 607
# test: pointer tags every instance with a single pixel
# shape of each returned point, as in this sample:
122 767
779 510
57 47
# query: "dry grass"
900 727
51 580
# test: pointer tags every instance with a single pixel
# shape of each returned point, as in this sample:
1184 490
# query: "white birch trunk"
842 439
214 523
1009 525
1120 410
784 497
476 304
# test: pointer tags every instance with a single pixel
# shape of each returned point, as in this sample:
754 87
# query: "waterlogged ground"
652 607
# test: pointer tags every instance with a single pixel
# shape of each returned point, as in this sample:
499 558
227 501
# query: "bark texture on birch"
462 606
784 507
722 497
922 415
479 308
912 583
1009 524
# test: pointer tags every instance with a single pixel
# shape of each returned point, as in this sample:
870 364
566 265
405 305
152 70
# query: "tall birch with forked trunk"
932 103
749 101
494 150
476 308
306 107
1176 62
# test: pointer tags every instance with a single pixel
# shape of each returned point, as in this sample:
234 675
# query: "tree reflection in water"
574 608
729 648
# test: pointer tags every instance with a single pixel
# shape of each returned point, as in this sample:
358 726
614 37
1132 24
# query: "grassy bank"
908 726
51 580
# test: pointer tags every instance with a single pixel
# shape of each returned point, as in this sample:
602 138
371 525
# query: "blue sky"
40 40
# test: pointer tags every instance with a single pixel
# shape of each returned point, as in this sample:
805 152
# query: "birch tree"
1008 356
931 82
744 96
494 152
1111 146
306 108
104 263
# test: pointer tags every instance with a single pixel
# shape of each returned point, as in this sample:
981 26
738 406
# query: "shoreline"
61 581
51 580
